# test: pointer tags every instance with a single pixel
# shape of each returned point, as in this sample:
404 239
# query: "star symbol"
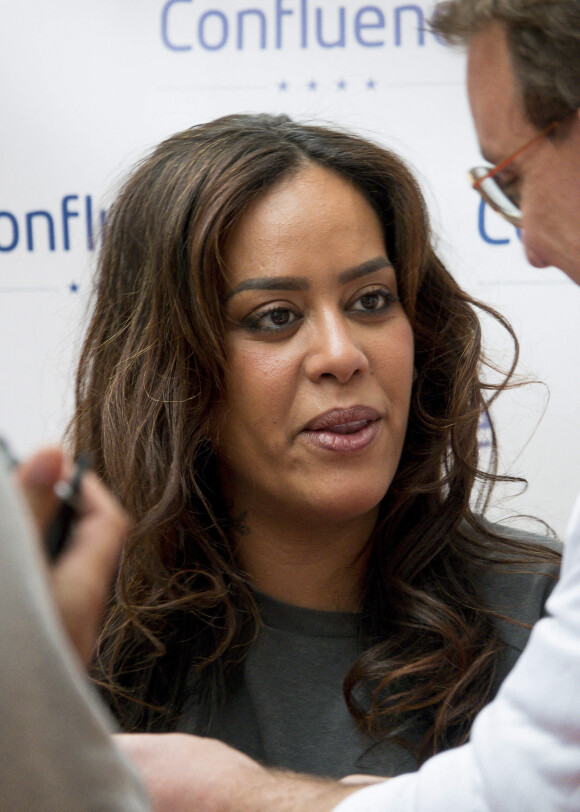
341 85
484 425
73 287
371 84
484 420
312 85
283 85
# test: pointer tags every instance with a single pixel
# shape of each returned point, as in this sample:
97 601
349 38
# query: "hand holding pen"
81 574
56 519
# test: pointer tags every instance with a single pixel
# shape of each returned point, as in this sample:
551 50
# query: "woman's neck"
319 565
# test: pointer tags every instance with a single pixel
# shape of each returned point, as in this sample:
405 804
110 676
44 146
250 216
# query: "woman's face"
319 355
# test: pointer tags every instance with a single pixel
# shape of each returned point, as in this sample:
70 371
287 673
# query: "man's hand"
81 575
191 774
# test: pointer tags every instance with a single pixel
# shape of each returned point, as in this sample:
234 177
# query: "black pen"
60 527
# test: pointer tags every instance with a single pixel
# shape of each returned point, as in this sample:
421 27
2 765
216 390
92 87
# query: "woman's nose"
334 351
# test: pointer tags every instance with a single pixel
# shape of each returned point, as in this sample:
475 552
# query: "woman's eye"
274 320
374 301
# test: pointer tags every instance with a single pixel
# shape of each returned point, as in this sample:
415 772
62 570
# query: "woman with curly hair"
282 383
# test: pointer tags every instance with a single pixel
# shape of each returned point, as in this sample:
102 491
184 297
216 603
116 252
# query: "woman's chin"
344 506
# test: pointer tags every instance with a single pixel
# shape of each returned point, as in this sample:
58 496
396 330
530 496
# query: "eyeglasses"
497 193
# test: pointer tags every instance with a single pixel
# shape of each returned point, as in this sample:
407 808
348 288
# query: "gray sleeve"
56 750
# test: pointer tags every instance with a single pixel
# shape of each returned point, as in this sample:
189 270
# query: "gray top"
288 709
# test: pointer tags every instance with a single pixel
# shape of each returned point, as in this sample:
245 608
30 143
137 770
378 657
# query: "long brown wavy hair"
151 371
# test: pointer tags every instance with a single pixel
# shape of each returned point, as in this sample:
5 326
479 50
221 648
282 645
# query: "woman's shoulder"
517 580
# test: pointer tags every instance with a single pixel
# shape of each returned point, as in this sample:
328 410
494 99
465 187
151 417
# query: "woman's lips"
343 429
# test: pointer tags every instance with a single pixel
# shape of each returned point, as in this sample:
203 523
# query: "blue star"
341 85
73 287
283 85
484 439
371 84
312 85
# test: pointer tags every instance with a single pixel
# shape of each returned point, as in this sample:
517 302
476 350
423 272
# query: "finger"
82 574
37 478
102 527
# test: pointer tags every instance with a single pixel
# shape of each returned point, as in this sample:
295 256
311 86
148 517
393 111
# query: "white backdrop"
88 87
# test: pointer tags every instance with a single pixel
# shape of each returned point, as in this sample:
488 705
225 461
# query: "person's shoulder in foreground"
56 751
517 587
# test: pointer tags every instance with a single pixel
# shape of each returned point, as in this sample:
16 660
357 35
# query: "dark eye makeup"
372 303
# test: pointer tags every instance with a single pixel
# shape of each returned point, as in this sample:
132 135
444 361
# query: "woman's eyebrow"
365 268
271 283
301 283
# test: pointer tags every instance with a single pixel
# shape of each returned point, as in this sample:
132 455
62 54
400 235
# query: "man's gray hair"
543 39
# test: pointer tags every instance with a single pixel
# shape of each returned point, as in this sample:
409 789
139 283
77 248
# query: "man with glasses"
523 82
524 752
